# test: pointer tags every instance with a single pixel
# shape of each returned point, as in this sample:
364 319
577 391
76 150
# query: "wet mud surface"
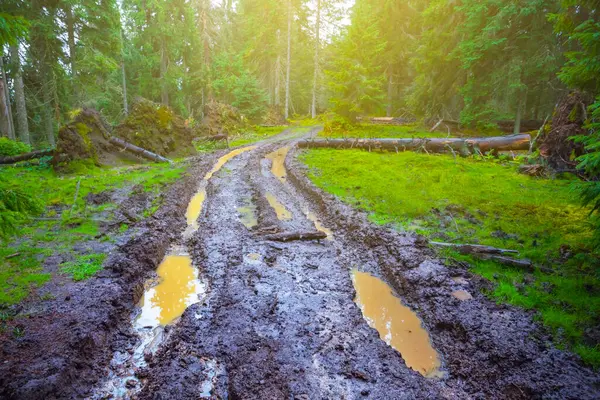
280 320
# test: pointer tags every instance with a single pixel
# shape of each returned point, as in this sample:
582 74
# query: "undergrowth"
478 201
68 219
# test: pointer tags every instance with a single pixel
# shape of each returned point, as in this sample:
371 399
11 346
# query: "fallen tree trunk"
464 146
511 262
136 150
26 156
289 236
475 248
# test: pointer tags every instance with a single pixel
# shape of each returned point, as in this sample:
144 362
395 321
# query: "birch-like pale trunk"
278 72
164 93
289 62
313 108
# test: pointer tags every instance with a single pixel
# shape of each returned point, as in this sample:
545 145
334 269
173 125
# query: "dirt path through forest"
278 320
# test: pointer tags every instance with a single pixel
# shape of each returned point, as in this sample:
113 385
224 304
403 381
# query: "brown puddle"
178 288
397 324
277 163
282 213
195 208
226 158
312 217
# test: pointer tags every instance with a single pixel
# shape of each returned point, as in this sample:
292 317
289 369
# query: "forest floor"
275 319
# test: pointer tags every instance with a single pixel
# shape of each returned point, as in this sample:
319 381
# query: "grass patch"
84 266
64 223
376 131
476 201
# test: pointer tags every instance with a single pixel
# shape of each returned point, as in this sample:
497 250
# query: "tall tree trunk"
289 61
124 84
70 22
124 76
278 72
313 109
22 123
390 88
517 127
164 93
47 120
7 127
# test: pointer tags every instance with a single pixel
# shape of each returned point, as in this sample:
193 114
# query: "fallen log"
521 263
475 248
136 150
464 146
289 236
26 156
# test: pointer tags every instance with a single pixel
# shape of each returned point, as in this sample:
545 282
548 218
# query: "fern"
15 207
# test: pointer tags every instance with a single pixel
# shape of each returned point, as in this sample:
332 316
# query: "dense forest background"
473 61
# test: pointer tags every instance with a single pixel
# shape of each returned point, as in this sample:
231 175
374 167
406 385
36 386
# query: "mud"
279 320
68 341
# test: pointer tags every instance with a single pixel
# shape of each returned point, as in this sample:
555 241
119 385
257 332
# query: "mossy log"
136 150
26 156
463 146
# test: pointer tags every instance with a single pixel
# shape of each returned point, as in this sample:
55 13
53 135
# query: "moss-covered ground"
68 220
486 202
413 130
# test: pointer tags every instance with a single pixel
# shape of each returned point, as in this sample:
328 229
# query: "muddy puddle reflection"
283 214
278 163
194 208
397 324
318 225
178 288
247 214
226 158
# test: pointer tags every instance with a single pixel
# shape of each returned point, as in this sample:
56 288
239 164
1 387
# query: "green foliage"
12 28
233 84
578 22
12 148
471 201
84 266
355 76
15 207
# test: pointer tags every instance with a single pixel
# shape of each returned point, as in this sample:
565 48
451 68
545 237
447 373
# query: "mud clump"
221 119
568 120
156 128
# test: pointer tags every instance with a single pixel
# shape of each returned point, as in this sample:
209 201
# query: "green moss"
84 266
37 239
479 201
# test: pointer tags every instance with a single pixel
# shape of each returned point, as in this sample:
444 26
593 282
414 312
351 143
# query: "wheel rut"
279 319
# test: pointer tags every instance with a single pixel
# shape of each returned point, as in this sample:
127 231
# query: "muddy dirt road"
272 319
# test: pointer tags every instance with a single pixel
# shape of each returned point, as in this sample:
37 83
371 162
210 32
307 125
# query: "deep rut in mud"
281 320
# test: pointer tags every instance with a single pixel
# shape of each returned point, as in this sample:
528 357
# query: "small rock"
131 383
462 295
364 392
